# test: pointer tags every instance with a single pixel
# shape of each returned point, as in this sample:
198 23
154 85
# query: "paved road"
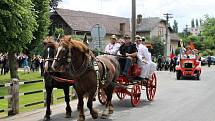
176 100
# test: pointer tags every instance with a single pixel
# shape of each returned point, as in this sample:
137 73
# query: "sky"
183 11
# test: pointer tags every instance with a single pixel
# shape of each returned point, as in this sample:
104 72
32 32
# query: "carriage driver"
129 50
113 46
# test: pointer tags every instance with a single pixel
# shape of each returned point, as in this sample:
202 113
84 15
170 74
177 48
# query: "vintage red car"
188 66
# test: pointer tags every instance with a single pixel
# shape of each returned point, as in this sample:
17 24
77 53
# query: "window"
160 31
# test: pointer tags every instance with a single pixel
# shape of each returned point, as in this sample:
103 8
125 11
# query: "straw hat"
113 37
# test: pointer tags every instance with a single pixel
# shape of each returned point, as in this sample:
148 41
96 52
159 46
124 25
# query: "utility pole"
133 27
168 16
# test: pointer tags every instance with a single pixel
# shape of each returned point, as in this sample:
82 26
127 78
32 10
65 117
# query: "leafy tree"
175 26
17 24
200 22
59 32
158 47
43 21
192 23
54 3
209 32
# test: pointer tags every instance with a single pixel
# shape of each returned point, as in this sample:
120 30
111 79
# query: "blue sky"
183 10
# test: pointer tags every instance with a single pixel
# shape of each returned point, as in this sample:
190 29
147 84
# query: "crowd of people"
24 62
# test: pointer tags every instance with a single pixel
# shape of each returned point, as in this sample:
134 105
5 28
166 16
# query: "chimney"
139 18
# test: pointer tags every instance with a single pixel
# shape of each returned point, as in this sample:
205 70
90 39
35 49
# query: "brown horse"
74 58
49 51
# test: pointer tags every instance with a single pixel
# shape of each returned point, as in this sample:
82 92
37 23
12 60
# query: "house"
80 22
154 27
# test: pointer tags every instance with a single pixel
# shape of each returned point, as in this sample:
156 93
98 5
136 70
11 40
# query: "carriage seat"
134 70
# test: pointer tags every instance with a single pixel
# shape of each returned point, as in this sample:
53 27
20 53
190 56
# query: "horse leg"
81 106
68 108
48 103
93 112
108 107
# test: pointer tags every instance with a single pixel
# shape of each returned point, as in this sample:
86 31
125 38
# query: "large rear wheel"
151 87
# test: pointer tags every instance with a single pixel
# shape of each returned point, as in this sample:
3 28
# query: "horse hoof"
46 118
104 116
81 119
95 115
110 111
68 115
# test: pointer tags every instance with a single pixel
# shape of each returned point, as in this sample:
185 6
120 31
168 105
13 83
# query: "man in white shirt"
143 57
113 47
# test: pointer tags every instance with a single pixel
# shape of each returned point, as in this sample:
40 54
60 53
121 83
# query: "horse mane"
67 41
49 42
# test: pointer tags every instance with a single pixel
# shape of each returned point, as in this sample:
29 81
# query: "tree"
200 22
59 32
158 47
192 23
43 21
17 24
197 23
175 26
209 32
54 3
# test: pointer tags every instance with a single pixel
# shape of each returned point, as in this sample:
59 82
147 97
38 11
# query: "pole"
133 27
167 15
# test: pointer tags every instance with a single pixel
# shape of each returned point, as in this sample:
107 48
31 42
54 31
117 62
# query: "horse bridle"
48 57
75 72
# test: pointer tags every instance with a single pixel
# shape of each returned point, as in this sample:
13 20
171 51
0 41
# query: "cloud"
183 11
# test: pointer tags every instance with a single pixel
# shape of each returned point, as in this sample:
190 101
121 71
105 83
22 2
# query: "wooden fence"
13 96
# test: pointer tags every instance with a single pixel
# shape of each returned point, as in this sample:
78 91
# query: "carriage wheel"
102 96
151 87
135 97
121 95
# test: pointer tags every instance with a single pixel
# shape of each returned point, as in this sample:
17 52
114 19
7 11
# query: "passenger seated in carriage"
144 59
113 46
129 50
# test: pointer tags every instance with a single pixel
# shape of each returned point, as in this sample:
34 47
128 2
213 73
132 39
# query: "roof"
84 21
147 24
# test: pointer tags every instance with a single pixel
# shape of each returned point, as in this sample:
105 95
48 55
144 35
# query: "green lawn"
26 99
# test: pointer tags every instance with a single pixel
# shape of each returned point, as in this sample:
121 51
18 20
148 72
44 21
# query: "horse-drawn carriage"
132 85
73 60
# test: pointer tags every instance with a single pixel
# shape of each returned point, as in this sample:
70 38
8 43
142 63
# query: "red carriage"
132 86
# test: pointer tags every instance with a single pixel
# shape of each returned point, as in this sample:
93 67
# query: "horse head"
50 47
71 56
